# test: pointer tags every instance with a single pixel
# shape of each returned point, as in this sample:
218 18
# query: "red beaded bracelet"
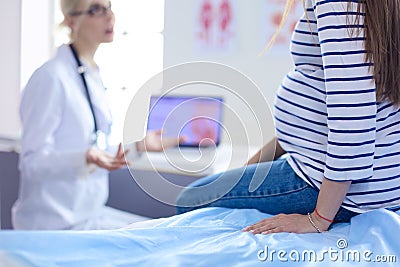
322 217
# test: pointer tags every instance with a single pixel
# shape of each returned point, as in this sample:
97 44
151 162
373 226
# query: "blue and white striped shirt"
327 115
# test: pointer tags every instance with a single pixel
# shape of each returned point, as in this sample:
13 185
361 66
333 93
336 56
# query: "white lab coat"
58 190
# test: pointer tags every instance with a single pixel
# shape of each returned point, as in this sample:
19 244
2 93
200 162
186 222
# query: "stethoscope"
98 137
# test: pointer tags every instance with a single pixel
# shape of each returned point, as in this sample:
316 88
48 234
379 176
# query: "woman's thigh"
271 187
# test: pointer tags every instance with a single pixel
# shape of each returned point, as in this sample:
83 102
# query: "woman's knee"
182 200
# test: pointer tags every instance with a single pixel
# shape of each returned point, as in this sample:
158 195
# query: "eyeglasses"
95 10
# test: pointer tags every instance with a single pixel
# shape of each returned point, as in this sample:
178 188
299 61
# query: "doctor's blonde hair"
69 6
381 27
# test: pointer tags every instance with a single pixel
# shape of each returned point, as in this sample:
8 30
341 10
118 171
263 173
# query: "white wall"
10 67
36 35
27 30
266 71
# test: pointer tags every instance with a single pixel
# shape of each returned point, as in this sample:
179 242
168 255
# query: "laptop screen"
198 118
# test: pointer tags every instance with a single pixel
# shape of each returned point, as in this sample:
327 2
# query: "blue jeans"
280 191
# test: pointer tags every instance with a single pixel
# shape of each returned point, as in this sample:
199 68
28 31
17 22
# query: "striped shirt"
326 113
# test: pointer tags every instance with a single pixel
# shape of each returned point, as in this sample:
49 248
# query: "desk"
224 157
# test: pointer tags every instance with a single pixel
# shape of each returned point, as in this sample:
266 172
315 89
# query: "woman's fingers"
263 228
258 224
290 223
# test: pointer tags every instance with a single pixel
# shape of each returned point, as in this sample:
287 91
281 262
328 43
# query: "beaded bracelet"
312 223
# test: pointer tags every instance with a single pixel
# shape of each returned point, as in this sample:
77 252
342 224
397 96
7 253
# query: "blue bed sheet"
209 237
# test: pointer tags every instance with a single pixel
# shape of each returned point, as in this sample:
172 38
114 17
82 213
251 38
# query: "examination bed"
209 237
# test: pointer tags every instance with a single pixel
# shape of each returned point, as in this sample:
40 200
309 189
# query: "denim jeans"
280 190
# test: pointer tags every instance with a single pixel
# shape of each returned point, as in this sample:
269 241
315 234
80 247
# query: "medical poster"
272 13
215 26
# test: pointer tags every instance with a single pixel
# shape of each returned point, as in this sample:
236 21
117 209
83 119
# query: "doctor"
64 161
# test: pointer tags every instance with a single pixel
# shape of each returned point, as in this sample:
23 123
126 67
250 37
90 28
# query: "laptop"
198 119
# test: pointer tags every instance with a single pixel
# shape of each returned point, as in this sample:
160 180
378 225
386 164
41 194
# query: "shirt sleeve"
350 91
41 114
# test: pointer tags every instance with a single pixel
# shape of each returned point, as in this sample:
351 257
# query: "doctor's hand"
105 160
287 223
154 141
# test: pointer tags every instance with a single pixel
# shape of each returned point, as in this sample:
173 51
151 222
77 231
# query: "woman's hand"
288 223
105 160
154 141
330 197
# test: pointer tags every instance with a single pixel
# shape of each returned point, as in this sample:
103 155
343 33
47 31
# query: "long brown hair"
382 43
382 33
